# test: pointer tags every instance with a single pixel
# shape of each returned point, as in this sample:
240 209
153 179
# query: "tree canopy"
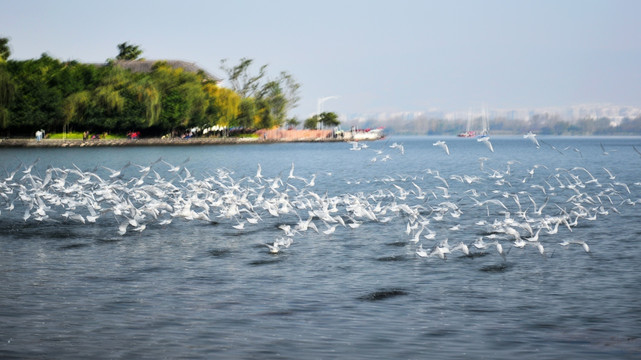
326 119
272 98
50 94
311 122
329 119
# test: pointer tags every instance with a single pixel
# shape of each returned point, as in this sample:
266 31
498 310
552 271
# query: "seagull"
399 147
291 172
554 147
532 136
421 252
603 149
12 174
259 174
140 228
431 234
330 229
486 141
583 244
176 168
117 173
239 226
416 236
28 169
579 151
442 144
482 161
463 247
624 185
480 244
441 250
122 229
273 249
540 247
534 238
146 169
612 177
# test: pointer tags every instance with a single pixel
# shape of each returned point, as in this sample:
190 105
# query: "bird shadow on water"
383 294
392 258
107 241
73 246
260 262
397 244
220 252
496 268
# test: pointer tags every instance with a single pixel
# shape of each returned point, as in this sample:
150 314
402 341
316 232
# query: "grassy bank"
78 136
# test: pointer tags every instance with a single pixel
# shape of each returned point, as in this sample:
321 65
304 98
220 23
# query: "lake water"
205 285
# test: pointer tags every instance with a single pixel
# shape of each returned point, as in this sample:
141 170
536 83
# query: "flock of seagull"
498 208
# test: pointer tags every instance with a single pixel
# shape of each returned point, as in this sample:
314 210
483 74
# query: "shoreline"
264 137
59 143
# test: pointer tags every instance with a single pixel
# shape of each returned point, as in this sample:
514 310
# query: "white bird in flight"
442 144
486 141
532 136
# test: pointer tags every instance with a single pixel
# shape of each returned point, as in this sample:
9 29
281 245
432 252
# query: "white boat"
485 127
368 134
360 134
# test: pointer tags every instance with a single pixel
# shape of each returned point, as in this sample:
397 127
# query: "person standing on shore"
38 135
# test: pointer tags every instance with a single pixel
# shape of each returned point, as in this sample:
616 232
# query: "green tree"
74 77
128 52
183 101
148 95
223 108
273 99
311 123
292 122
75 107
247 114
5 51
37 101
7 93
50 94
291 90
272 105
240 78
108 94
329 119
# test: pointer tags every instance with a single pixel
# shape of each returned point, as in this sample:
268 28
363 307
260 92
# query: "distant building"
146 66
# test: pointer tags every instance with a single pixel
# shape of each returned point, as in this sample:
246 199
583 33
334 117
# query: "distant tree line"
543 124
55 95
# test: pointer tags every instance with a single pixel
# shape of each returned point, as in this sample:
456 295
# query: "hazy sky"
376 56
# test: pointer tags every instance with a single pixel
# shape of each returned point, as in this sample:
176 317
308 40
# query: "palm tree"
128 52
329 119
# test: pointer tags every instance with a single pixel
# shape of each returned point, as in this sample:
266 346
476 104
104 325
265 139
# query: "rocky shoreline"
59 143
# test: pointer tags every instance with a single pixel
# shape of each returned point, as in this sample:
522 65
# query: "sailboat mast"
469 121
